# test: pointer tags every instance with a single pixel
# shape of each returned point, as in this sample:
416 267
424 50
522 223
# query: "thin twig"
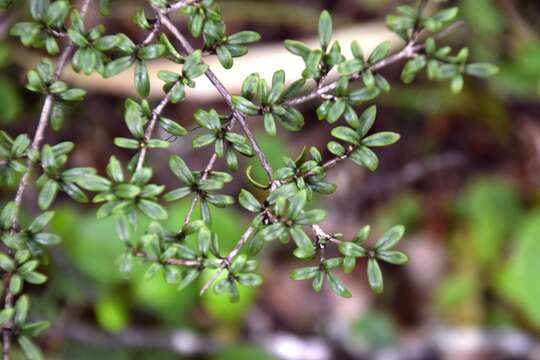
178 5
153 34
151 126
224 93
36 143
409 51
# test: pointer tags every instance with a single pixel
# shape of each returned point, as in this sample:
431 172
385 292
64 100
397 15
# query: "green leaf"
384 138
337 286
302 241
350 67
34 81
58 87
45 68
325 29
250 280
243 37
125 143
245 106
47 239
393 257
117 66
31 351
47 194
482 70
249 202
94 183
8 215
272 232
34 278
332 263
151 52
375 276
305 273
364 156
5 315
204 140
349 264
6 263
336 148
336 110
270 124
366 120
189 277
106 43
56 13
352 249
36 328
276 93
172 127
297 204
311 217
114 170
77 38
368 79
390 238
38 8
220 200
224 56
152 209
313 61
318 281
73 95
412 67
127 191
363 95
346 134
446 15
40 222
21 310
380 52
157 144
292 120
297 48
142 82
457 84
180 169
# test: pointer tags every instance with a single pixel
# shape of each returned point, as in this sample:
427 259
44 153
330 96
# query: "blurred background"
464 179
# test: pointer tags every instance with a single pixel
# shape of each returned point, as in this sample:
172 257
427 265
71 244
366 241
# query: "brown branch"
224 93
410 50
151 126
178 5
36 143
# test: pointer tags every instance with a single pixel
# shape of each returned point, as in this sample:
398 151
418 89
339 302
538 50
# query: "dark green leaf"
142 82
180 169
392 257
390 238
152 209
325 29
47 194
337 286
482 70
384 138
364 156
249 202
